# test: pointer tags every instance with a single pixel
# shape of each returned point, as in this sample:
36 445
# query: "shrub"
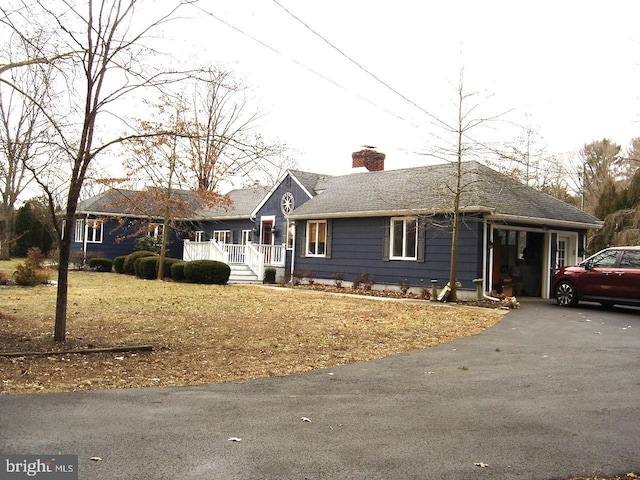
177 271
269 275
28 275
4 279
148 243
365 280
207 271
168 264
35 257
118 263
338 279
297 277
101 264
132 257
147 267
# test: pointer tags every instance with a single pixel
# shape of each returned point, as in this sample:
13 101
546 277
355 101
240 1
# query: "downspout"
293 251
487 267
84 239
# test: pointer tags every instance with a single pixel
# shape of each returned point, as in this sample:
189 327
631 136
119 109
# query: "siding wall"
357 247
118 240
272 207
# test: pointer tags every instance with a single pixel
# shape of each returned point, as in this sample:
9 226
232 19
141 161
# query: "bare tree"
21 124
464 147
160 159
600 164
99 47
225 142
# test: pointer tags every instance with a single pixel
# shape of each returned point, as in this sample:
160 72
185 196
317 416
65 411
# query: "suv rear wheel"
566 294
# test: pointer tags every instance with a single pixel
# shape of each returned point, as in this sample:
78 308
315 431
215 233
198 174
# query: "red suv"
609 277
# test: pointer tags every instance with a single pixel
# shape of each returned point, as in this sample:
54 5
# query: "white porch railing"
256 256
274 255
254 259
204 251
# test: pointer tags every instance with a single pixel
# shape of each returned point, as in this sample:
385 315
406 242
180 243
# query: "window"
222 236
199 236
155 230
404 239
605 259
79 230
291 234
247 236
316 238
92 229
630 259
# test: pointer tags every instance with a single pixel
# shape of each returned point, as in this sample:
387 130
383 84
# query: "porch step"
242 274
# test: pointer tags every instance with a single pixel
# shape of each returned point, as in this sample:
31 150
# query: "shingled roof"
144 203
243 205
429 190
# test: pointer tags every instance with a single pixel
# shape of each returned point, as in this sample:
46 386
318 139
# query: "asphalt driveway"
545 393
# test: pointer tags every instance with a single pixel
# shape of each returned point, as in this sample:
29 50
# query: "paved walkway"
546 393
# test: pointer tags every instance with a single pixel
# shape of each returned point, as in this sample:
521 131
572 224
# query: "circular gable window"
286 203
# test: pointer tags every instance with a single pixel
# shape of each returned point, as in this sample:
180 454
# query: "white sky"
569 68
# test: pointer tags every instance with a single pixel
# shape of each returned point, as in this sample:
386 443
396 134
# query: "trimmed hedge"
207 271
101 264
130 259
118 263
168 266
147 267
177 271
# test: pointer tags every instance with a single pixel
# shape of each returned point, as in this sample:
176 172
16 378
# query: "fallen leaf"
481 464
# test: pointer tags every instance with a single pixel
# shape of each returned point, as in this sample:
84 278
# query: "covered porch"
247 261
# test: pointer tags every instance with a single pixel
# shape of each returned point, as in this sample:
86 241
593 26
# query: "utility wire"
361 67
314 72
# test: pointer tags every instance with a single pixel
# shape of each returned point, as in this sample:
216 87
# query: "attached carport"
522 253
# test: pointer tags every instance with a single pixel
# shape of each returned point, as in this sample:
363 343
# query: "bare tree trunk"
60 328
453 267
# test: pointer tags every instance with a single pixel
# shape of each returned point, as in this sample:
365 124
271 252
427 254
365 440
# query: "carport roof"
430 190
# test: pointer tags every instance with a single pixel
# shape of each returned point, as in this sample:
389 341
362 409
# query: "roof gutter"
387 213
548 222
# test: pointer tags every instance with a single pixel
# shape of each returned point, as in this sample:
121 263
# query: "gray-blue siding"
357 247
118 240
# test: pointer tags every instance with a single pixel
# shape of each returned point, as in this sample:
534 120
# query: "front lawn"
204 334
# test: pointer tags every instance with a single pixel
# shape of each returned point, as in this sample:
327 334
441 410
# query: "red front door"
266 236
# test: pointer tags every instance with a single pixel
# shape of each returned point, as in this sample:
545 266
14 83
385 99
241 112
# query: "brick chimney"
368 158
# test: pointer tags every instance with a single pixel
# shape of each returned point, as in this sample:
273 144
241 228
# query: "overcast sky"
570 69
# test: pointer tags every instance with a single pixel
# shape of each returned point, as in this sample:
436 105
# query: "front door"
266 234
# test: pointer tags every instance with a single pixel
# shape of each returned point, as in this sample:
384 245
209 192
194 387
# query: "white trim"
272 219
308 253
392 239
273 190
225 233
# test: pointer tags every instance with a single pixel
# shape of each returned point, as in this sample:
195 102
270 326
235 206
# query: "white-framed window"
79 235
291 234
155 230
91 229
198 236
247 236
316 238
94 231
222 236
404 238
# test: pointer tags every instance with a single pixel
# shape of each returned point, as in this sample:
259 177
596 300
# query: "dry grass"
206 334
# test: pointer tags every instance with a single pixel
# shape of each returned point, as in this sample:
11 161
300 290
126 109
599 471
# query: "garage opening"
517 262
